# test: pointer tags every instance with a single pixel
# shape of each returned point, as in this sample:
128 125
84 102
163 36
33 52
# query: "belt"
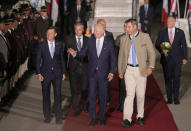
133 65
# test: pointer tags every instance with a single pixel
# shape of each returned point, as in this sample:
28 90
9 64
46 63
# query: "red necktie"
171 37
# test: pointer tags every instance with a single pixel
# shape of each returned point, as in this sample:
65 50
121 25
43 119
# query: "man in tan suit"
136 61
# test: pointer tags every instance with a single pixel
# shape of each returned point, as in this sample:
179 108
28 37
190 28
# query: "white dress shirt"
130 59
81 40
49 44
173 32
146 7
101 43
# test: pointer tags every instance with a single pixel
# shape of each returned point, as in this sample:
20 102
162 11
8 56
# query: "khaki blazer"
145 53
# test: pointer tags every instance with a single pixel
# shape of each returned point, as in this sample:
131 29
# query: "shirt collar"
79 37
173 29
135 35
51 42
101 38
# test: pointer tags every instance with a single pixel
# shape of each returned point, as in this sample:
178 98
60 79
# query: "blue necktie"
52 49
79 44
133 52
98 48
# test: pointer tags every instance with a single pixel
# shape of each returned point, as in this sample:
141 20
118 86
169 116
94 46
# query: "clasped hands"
72 51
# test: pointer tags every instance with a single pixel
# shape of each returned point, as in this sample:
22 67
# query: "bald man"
106 33
101 69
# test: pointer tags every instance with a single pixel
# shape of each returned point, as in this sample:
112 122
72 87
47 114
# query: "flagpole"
186 5
178 8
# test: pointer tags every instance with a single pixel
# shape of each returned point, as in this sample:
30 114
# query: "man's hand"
149 71
110 77
41 39
72 52
165 51
40 77
146 22
121 76
63 77
66 13
184 61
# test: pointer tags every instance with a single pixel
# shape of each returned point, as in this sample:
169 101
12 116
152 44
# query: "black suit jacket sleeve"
113 60
158 42
184 46
63 64
38 58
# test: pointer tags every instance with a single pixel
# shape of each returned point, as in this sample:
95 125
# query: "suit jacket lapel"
168 40
104 46
175 35
84 42
94 47
47 49
56 48
75 42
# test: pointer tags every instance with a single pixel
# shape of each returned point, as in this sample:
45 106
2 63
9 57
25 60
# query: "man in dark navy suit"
172 62
101 69
50 68
146 16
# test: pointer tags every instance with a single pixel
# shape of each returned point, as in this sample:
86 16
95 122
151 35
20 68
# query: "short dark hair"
132 21
171 14
52 28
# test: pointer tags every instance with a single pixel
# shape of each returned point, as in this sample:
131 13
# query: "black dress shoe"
125 123
47 120
176 102
85 108
93 122
169 101
140 121
76 113
102 122
59 121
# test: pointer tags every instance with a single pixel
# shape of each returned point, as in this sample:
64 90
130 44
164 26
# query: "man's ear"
55 34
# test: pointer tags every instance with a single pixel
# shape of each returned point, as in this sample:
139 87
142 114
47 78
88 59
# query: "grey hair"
78 24
99 25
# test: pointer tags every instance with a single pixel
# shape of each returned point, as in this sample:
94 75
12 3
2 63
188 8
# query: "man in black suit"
50 68
146 16
173 60
67 7
78 14
78 69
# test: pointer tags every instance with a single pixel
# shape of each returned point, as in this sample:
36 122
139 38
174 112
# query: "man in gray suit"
135 62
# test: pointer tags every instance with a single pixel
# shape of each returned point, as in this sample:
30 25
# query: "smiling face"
51 34
131 28
98 31
79 29
171 22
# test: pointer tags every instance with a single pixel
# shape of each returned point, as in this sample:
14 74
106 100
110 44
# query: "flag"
54 11
165 12
189 12
173 6
48 4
